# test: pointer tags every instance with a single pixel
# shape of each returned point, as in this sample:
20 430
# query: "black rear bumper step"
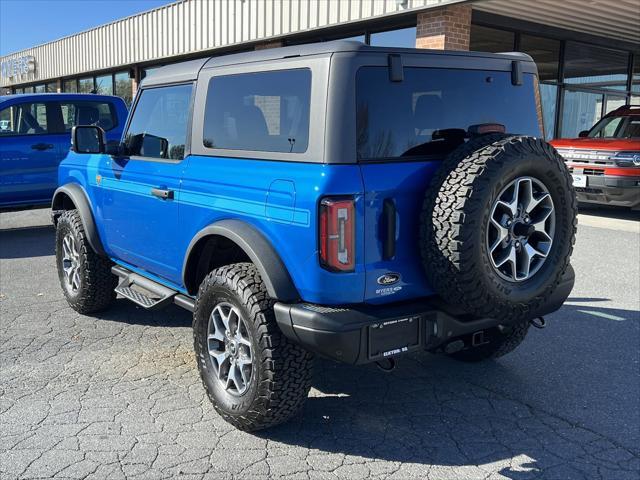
369 333
363 335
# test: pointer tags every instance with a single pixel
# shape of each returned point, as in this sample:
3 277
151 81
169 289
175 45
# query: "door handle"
42 146
161 193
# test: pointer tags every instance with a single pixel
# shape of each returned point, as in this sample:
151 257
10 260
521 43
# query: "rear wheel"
253 375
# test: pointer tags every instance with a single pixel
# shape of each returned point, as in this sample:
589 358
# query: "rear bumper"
609 190
365 333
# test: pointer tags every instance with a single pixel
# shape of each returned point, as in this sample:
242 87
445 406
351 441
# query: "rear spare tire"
498 225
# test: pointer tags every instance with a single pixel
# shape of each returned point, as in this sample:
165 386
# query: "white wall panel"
192 26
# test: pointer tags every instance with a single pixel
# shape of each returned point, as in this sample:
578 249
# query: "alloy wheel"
520 229
230 348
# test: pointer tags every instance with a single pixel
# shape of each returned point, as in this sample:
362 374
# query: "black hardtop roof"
185 71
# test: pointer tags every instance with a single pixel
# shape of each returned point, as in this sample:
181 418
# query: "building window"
485 39
123 86
52 87
40 89
404 37
545 52
85 85
70 86
104 85
595 67
635 80
581 112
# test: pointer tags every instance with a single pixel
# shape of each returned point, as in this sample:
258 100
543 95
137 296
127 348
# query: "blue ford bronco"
35 132
336 199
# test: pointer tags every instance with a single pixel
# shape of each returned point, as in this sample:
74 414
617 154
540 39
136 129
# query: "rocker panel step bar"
147 293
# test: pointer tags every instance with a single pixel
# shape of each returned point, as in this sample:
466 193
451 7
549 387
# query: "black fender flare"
273 271
81 202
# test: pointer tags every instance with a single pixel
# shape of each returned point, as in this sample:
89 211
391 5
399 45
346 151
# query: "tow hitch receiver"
478 339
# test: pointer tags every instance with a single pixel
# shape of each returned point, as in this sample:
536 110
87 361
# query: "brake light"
337 234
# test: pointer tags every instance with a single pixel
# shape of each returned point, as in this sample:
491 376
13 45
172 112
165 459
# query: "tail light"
337 234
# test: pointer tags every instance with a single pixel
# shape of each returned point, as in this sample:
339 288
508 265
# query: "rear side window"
24 119
264 111
159 124
101 114
432 110
617 127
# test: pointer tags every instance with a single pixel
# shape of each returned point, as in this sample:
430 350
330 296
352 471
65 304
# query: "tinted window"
159 124
24 119
267 111
431 111
617 127
88 113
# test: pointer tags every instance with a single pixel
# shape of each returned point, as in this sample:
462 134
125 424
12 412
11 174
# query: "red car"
605 161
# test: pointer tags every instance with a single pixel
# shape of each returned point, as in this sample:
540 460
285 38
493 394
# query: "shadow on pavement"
435 411
37 241
619 213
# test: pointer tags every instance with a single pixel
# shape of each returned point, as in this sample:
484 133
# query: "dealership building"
587 51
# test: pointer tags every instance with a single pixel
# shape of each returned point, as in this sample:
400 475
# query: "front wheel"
253 375
85 277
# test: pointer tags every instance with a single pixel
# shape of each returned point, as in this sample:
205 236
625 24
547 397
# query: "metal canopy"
616 19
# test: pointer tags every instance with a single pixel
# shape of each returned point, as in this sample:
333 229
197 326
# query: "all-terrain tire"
94 287
281 371
455 216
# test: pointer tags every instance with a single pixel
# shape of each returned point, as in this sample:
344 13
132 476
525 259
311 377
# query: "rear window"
432 110
263 111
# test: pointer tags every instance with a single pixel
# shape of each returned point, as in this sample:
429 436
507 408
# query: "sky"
26 23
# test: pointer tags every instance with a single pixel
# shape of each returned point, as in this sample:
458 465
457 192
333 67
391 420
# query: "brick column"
264 46
447 28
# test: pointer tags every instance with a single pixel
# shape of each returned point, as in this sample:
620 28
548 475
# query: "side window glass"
158 127
610 128
24 119
262 111
87 113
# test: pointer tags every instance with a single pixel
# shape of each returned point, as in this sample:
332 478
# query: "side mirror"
87 139
115 149
583 134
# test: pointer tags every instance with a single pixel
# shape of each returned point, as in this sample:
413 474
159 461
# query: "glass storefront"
404 37
577 91
123 86
104 84
85 85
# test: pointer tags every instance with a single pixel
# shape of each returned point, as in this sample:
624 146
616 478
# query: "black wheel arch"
257 249
73 196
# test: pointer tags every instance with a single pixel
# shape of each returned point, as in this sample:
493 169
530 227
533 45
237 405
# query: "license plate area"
579 180
393 337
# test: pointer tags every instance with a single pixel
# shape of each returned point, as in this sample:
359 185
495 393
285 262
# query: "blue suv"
336 199
35 134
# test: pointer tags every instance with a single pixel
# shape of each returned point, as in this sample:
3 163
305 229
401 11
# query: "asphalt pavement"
118 395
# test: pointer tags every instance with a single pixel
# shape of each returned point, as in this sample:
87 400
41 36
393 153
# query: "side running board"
147 293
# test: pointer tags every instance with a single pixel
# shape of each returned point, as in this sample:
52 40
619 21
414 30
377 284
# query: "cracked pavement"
118 395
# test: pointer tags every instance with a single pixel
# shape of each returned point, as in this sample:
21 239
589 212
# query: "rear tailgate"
402 186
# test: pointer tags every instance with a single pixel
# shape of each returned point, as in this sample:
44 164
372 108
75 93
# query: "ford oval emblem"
388 278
